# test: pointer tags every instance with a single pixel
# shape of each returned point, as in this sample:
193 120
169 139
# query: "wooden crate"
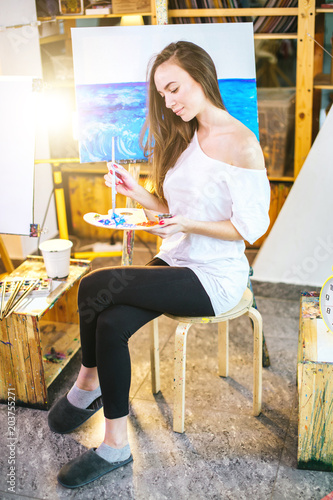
45 325
130 6
276 113
315 388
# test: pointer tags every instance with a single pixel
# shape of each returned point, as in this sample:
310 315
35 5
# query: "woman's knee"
94 293
112 327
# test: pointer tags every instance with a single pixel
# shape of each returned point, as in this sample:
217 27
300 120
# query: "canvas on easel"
110 66
17 146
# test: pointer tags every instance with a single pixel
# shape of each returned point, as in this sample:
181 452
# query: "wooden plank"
65 309
128 236
87 193
6 365
309 312
37 370
315 430
18 339
304 82
180 376
223 348
309 339
63 338
257 359
317 68
25 364
5 257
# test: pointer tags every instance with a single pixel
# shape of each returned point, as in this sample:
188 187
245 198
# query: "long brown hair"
164 134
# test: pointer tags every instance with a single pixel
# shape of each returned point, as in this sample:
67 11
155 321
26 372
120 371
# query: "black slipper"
87 468
64 417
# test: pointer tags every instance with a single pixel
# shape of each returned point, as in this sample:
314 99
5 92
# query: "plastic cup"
56 255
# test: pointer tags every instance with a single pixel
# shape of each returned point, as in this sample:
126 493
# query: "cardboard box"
130 6
276 113
71 7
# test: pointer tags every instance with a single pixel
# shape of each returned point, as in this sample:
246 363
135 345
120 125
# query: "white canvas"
299 248
110 65
17 146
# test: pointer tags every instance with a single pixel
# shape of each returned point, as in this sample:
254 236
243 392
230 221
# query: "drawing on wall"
110 66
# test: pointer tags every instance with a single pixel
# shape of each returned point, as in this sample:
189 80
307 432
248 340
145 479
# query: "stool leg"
265 356
154 357
257 359
223 348
180 373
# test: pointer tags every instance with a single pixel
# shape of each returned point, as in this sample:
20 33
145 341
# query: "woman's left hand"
169 226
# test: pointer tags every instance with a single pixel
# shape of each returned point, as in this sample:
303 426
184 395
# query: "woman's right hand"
125 183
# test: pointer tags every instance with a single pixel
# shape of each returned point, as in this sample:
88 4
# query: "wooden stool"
244 307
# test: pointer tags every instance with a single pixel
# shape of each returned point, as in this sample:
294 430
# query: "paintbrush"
23 296
12 297
113 189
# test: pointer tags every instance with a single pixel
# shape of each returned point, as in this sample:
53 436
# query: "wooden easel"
128 239
5 258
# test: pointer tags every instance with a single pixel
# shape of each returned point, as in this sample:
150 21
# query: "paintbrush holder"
56 255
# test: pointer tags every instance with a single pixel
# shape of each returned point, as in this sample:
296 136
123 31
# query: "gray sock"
82 399
113 454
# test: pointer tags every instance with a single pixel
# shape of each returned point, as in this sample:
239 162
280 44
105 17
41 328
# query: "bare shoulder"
247 152
244 150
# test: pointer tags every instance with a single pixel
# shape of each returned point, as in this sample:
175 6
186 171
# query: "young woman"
209 173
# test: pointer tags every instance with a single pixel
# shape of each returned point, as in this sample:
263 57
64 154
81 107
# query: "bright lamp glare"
135 20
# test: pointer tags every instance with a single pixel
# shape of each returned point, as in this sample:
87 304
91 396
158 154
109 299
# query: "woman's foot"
113 454
79 404
82 398
91 466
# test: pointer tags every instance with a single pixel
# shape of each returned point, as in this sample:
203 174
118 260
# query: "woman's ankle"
116 443
86 385
116 434
87 379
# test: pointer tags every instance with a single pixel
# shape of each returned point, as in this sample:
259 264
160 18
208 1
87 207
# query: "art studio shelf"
93 16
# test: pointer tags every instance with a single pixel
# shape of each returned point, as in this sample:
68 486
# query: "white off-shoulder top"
201 188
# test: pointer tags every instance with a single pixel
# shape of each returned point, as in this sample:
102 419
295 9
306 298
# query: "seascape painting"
111 90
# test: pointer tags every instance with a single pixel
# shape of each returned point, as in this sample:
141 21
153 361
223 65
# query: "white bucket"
56 254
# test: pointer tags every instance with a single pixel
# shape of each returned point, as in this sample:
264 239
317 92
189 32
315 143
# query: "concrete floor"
225 452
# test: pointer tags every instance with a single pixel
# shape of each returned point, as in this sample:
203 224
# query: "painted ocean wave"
119 110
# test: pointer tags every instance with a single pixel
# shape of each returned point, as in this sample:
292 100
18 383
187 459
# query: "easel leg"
128 238
5 257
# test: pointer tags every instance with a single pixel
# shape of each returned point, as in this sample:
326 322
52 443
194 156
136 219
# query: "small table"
38 340
315 388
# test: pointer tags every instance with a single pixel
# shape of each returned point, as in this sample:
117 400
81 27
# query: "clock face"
326 303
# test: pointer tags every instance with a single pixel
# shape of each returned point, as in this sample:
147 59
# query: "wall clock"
326 303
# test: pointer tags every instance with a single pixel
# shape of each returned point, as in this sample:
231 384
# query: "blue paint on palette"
118 110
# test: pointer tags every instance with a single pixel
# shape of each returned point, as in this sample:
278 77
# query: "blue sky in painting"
118 110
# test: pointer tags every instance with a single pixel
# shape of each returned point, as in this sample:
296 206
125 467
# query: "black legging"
114 303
